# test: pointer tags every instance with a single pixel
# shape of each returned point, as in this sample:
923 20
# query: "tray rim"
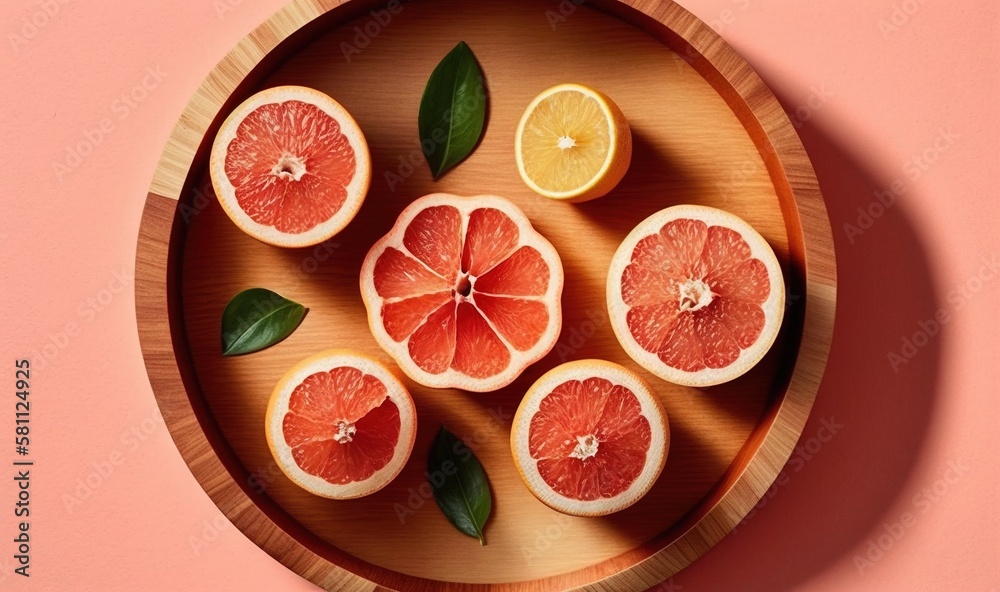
215 466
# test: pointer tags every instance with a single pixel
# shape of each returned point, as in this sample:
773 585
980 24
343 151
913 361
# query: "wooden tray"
706 130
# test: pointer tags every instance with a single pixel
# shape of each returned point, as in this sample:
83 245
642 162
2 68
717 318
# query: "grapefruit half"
590 438
290 166
340 425
695 295
463 292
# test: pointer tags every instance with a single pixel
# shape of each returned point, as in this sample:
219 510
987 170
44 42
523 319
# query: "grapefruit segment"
695 295
491 238
589 438
643 287
435 238
680 349
341 393
724 252
479 353
432 346
742 320
746 282
340 425
682 244
520 321
290 166
463 292
652 324
524 273
402 317
398 275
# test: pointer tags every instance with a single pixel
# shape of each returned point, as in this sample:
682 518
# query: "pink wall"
910 465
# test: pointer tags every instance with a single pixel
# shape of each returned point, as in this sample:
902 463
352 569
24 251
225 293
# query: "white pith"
278 408
356 189
345 432
651 409
566 142
773 307
289 166
527 236
695 294
586 447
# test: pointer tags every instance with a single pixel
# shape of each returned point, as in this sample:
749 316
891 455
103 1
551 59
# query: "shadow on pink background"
857 453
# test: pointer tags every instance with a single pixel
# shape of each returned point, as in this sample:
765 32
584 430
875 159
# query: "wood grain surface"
706 131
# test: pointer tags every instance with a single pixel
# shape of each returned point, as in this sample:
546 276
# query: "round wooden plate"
706 130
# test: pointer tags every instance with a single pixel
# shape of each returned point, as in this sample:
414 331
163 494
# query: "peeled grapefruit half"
695 295
463 292
590 438
340 425
290 166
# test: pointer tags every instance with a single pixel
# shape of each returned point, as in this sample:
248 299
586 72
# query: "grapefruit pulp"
695 295
463 292
590 438
290 166
340 425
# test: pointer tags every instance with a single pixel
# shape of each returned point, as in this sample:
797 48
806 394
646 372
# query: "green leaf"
256 319
460 486
452 110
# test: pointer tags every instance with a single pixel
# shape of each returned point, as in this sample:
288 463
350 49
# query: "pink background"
903 496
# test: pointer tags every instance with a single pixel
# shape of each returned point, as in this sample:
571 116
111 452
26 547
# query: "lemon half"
573 144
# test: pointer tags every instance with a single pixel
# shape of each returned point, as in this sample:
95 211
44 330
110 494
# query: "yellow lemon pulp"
573 143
